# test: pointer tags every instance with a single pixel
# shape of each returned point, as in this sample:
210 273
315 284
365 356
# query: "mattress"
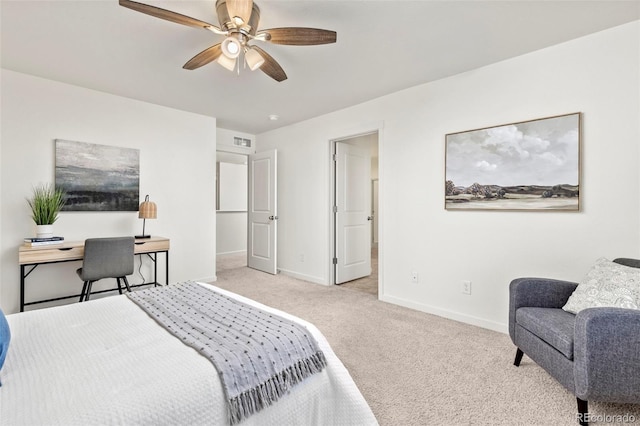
107 362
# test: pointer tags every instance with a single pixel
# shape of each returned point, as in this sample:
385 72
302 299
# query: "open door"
352 212
262 212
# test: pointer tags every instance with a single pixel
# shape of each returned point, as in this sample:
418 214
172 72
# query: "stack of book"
35 241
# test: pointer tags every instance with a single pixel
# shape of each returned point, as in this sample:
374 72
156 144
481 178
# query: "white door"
353 212
263 212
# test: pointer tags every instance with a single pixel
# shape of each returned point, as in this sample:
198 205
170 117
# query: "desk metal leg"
154 258
155 269
21 288
23 276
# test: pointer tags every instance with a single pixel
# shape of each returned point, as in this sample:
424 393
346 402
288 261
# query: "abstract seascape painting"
98 177
530 165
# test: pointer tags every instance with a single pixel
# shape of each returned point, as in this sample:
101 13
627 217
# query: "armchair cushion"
554 326
537 293
607 354
607 284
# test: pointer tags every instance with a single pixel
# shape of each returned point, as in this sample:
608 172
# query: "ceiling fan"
239 24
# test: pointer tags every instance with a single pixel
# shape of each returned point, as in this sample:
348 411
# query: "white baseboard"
207 280
315 280
456 316
231 252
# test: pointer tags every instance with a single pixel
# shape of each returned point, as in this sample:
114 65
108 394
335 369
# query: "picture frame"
97 177
531 165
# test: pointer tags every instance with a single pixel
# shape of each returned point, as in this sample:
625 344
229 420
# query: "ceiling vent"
242 142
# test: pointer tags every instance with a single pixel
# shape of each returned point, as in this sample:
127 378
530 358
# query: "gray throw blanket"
259 356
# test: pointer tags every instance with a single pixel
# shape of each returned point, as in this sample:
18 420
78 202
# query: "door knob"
273 217
369 217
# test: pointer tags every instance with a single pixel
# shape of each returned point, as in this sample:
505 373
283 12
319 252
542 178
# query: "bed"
108 362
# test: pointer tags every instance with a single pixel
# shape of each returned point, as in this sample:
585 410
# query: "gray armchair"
594 354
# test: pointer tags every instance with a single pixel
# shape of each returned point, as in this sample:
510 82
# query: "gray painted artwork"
530 165
98 177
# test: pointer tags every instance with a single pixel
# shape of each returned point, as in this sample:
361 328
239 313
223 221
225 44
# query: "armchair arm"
539 293
607 354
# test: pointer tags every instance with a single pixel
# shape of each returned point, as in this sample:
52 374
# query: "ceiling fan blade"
270 66
299 36
204 57
166 14
240 8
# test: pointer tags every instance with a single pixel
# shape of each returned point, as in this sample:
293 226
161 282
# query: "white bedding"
107 362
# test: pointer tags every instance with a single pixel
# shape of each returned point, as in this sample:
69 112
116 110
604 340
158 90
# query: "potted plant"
45 204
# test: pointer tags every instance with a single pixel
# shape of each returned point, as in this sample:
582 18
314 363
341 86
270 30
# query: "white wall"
233 181
1 238
597 75
177 162
231 232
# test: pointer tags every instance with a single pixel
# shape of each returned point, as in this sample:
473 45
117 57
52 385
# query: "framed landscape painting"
98 177
530 165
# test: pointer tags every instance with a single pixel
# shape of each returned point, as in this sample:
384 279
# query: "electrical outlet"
414 277
465 288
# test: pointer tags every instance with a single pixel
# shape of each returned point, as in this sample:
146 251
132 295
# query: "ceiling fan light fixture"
254 59
228 63
238 22
231 47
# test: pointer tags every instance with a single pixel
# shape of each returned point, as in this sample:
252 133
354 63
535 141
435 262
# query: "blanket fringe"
268 392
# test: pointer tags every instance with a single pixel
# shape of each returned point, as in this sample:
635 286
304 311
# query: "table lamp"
147 210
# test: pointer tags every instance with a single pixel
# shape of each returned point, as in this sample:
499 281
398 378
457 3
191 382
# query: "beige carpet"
419 369
231 261
367 284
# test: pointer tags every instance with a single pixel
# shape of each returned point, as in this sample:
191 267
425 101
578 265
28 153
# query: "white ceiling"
383 47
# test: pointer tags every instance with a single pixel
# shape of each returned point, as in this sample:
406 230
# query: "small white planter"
44 231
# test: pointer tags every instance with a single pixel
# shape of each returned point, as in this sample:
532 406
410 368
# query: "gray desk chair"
106 258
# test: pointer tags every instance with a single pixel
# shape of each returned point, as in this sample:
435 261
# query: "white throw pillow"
607 284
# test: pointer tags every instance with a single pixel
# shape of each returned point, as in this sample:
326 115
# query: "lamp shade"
228 63
148 209
231 47
254 59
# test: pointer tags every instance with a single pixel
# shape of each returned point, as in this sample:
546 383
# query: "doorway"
356 212
231 210
246 211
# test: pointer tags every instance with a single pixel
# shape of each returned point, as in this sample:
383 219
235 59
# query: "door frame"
362 130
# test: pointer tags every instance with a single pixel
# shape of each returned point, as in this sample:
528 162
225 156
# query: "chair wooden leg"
119 285
126 283
84 291
519 354
583 410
